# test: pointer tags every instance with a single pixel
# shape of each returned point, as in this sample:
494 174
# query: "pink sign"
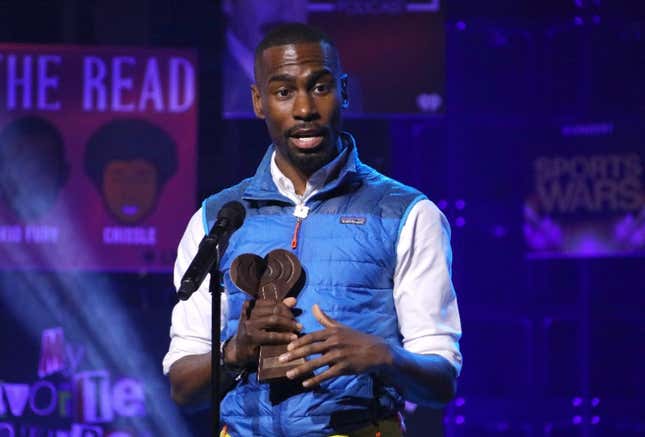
97 156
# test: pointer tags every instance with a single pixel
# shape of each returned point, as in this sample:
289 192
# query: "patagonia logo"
353 220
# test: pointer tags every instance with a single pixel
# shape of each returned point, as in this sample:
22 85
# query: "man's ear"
257 101
343 91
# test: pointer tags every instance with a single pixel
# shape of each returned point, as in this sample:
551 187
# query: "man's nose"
304 107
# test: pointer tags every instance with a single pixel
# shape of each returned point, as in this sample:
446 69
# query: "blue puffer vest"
347 247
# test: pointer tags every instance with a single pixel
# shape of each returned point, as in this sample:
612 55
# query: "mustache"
310 128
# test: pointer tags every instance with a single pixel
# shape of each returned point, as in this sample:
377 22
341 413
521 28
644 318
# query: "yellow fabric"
384 428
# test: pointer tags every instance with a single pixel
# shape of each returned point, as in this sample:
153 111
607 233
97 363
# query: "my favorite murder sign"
587 196
97 156
67 397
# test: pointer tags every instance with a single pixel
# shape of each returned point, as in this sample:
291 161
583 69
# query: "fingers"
314 337
290 302
304 351
263 308
311 365
323 318
271 337
273 316
308 367
332 372
274 323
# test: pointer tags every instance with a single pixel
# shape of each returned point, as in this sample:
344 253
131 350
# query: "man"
377 317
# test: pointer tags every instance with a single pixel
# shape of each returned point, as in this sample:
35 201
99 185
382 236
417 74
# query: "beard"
310 161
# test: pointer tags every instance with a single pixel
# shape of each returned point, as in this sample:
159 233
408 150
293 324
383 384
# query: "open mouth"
306 138
307 143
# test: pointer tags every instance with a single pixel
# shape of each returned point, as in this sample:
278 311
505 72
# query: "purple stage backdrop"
587 196
379 42
384 42
97 151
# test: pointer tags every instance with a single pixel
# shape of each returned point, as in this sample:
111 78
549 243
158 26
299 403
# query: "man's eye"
321 88
283 92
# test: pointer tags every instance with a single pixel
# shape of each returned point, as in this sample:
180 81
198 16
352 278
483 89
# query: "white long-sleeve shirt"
424 297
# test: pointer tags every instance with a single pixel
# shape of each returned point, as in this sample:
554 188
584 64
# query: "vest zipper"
301 213
296 231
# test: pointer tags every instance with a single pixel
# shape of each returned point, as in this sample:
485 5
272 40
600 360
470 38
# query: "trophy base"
269 368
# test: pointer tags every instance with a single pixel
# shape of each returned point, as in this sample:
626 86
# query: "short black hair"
290 33
127 140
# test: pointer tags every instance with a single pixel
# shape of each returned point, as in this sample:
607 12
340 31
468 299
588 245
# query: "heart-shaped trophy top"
272 277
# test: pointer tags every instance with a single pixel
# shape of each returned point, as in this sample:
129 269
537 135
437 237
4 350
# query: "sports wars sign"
97 156
588 193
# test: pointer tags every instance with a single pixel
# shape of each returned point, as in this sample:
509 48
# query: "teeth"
306 141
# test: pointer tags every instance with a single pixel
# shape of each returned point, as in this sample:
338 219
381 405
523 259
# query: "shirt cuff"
181 347
443 345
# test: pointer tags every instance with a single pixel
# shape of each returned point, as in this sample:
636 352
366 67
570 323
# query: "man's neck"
300 178
294 174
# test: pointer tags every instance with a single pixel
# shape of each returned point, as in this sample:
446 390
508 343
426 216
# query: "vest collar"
262 186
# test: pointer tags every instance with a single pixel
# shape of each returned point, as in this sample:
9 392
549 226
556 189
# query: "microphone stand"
215 288
208 257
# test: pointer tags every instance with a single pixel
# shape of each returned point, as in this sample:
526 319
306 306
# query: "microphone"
229 219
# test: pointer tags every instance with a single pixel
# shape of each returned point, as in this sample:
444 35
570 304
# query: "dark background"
551 347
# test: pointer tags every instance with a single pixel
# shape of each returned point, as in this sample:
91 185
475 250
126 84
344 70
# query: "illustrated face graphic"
130 189
32 175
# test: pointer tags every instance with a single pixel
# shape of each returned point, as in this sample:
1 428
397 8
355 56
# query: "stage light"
86 307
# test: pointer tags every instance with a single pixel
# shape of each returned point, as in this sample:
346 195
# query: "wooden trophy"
273 277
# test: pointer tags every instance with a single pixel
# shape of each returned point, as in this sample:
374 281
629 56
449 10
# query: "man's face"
130 189
298 94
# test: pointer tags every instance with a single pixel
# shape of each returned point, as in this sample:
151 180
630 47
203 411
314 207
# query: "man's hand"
343 349
265 323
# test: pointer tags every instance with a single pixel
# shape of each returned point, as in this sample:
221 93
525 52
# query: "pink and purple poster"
97 156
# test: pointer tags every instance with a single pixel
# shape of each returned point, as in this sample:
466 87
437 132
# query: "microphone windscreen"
234 213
